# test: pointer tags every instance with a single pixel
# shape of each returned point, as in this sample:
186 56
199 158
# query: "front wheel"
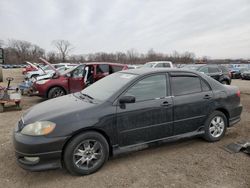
215 126
56 92
86 153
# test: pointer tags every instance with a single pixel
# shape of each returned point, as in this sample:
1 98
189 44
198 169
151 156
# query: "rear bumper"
235 115
234 121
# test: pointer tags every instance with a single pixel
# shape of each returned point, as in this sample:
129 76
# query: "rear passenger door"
192 98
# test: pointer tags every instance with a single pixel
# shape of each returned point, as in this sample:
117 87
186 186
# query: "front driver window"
149 88
78 72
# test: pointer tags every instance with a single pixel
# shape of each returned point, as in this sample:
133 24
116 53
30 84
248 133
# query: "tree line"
19 51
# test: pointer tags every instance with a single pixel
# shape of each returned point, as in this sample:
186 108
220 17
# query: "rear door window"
213 70
159 65
167 65
224 69
102 68
182 85
115 68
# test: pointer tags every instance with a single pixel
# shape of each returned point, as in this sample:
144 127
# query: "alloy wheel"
58 93
88 154
217 126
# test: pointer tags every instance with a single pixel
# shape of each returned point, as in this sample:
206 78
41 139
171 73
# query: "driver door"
76 80
151 116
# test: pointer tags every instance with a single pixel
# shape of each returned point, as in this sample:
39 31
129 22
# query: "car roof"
142 71
152 62
100 63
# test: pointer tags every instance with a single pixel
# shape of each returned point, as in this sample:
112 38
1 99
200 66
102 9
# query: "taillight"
238 93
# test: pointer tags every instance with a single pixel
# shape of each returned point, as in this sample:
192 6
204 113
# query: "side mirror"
127 99
68 75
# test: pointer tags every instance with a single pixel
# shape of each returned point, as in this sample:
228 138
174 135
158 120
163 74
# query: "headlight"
40 82
39 128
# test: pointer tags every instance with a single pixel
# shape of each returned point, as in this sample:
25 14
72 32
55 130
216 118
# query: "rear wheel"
215 126
56 92
86 153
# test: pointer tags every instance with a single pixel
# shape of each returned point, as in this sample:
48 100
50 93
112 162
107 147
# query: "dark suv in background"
219 72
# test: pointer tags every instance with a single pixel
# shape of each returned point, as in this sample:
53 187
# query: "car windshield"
106 87
69 70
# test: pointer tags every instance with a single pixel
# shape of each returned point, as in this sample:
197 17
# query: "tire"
81 148
56 92
215 126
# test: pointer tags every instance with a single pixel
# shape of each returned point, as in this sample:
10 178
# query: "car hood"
44 77
57 108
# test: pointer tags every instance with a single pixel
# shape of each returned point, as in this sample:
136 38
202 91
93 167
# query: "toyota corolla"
126 111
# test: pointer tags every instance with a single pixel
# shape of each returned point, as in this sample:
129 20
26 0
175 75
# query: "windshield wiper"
88 96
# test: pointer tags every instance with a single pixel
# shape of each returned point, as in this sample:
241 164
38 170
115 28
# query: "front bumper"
47 151
39 90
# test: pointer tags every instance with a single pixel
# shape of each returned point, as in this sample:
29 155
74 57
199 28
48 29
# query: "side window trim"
167 82
184 74
208 85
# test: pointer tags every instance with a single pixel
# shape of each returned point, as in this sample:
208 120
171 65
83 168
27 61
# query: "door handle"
207 97
165 103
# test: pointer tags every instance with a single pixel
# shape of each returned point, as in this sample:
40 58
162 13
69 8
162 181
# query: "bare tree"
18 51
64 47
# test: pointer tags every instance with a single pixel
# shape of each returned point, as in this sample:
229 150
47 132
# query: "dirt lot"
190 163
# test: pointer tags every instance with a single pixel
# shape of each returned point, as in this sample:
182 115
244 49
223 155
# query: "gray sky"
215 28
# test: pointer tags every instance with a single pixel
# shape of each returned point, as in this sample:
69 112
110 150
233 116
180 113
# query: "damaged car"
75 79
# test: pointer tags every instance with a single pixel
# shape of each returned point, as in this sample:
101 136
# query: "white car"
41 71
159 64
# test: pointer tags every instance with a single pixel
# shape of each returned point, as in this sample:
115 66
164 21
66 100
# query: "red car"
29 67
75 79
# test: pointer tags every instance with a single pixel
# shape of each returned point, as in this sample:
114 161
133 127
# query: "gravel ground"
190 163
